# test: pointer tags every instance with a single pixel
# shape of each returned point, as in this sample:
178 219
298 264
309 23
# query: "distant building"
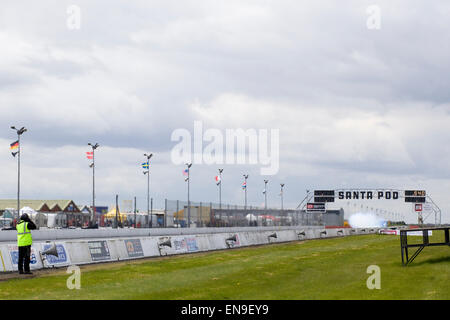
42 206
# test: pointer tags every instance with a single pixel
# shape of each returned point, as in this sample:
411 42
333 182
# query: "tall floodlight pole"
220 188
147 165
135 212
265 201
94 147
117 212
188 170
281 194
265 195
19 133
245 191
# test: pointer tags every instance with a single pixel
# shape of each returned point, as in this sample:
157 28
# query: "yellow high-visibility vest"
23 234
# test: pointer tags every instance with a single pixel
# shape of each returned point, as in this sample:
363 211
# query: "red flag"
90 155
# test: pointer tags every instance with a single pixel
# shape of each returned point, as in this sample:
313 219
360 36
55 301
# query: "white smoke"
366 220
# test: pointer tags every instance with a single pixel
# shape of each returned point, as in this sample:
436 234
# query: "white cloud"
354 106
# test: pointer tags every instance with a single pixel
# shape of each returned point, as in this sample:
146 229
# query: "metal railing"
208 214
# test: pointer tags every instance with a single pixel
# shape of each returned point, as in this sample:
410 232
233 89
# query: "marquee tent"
112 215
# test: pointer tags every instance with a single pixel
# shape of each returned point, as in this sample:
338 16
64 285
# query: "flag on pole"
244 185
218 180
145 165
14 145
185 172
90 155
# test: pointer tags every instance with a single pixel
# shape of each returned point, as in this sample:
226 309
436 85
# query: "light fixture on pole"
245 190
146 165
219 183
281 194
265 201
135 212
116 222
16 145
188 171
265 193
94 147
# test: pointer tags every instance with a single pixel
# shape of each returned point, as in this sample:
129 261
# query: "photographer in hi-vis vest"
24 241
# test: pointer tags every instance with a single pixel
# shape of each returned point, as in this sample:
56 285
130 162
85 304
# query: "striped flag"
90 155
14 145
244 185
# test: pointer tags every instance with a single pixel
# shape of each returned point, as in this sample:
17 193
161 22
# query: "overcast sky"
356 107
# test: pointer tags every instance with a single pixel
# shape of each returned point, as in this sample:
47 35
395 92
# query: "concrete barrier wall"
64 234
77 247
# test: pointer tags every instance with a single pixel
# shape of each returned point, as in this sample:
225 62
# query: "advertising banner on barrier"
388 231
99 250
14 255
134 248
184 244
191 244
61 259
179 244
233 241
2 261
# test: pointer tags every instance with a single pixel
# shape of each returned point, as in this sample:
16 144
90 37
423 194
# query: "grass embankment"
316 269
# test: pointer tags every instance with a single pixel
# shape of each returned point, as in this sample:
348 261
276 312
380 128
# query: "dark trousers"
24 259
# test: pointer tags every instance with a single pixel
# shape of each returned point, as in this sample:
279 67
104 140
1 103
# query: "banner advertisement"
233 241
62 257
134 248
184 244
99 250
2 262
14 254
179 244
191 244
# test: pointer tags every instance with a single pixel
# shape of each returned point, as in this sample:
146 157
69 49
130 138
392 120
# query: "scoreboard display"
315 207
415 193
321 196
415 196
411 196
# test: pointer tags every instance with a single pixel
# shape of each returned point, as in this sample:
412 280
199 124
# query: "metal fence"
177 214
208 214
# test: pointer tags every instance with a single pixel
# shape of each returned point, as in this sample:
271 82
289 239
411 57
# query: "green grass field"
316 269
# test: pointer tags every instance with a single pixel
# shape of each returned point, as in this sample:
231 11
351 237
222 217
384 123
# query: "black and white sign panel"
315 207
414 196
368 195
99 250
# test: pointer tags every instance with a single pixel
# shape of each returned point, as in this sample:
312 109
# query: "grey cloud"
135 71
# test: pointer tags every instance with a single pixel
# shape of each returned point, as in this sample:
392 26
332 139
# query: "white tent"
28 211
51 220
